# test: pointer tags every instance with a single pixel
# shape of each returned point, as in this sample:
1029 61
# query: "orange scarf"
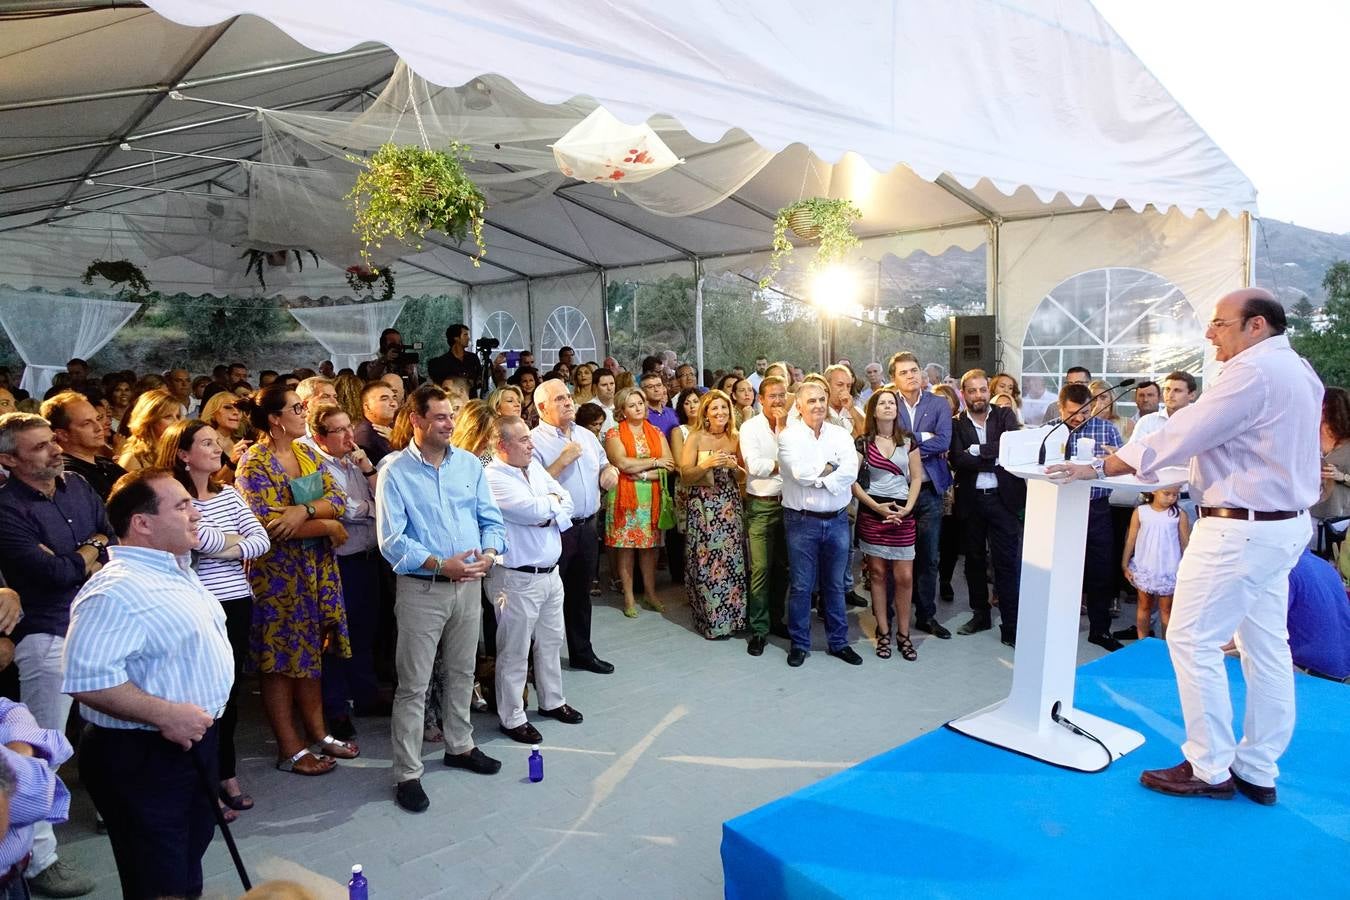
626 499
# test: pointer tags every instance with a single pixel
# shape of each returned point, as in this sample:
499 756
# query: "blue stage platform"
947 816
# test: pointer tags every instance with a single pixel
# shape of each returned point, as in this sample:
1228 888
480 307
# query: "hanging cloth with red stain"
601 148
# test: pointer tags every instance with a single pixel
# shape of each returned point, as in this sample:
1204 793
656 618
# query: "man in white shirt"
1179 391
1255 463
604 397
764 605
818 464
344 680
574 457
756 377
526 587
1147 399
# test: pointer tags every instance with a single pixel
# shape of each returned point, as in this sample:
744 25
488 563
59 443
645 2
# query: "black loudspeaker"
972 344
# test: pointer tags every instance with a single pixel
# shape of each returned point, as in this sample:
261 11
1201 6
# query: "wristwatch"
310 510
98 545
1100 465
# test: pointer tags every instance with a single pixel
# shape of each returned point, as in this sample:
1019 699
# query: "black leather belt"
423 577
533 570
584 519
819 515
764 499
1252 515
992 490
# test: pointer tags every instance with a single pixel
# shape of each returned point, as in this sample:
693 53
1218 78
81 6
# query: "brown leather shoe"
1253 792
1180 781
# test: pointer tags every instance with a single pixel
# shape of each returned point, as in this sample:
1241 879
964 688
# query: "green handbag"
666 521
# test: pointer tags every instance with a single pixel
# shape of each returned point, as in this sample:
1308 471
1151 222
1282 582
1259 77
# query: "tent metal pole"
529 316
62 6
604 308
484 261
539 243
698 315
1248 250
468 309
876 310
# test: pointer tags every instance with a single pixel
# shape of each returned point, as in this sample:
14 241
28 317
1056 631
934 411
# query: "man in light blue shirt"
148 659
440 529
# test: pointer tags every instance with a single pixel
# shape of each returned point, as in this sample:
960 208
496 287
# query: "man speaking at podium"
1251 441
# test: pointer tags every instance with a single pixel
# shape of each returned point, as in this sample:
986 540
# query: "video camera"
487 344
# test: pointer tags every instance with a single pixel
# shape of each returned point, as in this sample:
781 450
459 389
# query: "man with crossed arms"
527 587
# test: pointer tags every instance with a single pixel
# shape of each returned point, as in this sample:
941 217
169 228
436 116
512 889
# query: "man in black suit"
988 504
457 362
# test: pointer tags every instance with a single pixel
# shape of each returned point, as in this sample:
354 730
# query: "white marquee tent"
165 131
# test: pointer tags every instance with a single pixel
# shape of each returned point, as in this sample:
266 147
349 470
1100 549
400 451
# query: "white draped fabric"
48 330
351 333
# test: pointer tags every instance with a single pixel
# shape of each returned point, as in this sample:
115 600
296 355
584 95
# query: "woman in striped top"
889 477
191 450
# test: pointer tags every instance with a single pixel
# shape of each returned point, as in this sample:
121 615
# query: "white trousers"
38 657
533 609
1233 583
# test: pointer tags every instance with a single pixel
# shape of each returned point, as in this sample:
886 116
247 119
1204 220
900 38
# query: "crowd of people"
376 543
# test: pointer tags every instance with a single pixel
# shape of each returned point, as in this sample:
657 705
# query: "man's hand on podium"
1063 473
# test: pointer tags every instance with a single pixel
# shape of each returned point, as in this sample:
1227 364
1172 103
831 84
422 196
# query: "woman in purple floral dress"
711 468
297 611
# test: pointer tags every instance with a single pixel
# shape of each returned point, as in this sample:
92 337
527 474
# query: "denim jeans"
927 546
817 553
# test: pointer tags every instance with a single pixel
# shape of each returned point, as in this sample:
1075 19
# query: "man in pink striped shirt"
1251 442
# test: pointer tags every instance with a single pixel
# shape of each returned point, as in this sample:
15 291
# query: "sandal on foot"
883 645
227 814
631 612
905 647
653 604
239 801
332 747
307 763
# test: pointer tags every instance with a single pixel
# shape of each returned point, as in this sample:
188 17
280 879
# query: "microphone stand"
1040 458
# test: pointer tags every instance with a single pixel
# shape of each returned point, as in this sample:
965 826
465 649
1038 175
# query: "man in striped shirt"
148 659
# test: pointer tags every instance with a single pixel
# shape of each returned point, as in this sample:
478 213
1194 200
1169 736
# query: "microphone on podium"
1127 382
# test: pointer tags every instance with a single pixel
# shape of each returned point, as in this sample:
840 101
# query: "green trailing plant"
124 276
816 219
260 259
403 192
362 280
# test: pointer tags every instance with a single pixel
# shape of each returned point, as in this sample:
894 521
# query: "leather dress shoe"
1180 781
1008 636
755 647
594 664
797 656
853 598
1106 642
933 627
978 622
475 761
564 714
1253 792
410 796
342 728
1128 634
848 655
524 733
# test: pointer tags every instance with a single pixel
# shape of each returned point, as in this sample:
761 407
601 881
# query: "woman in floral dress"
639 451
297 610
712 470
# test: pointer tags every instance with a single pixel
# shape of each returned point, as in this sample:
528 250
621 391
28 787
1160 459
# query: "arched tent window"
567 326
1117 322
502 326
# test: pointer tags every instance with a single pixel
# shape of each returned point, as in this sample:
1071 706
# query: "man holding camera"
457 362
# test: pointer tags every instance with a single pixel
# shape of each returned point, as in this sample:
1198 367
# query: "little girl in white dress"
1158 534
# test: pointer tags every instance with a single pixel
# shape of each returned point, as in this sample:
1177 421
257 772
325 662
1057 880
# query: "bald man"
1251 441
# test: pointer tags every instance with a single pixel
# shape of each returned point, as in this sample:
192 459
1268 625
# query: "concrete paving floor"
685 734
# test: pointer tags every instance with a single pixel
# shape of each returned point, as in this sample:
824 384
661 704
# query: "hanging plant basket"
274 258
362 281
124 276
404 192
818 219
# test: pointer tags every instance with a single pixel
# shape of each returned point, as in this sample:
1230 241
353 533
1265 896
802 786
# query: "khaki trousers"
430 614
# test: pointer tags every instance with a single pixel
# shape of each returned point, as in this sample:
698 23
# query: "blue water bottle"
536 764
358 888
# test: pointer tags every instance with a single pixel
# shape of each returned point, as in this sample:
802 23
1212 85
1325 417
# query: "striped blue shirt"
38 796
423 510
145 618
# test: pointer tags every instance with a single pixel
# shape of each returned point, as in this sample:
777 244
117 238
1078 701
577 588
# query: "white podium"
1047 618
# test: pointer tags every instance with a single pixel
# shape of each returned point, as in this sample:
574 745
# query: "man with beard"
988 503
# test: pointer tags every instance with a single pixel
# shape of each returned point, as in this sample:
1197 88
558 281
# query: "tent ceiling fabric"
1010 129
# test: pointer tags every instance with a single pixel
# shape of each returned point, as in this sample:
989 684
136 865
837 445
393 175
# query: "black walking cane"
220 819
